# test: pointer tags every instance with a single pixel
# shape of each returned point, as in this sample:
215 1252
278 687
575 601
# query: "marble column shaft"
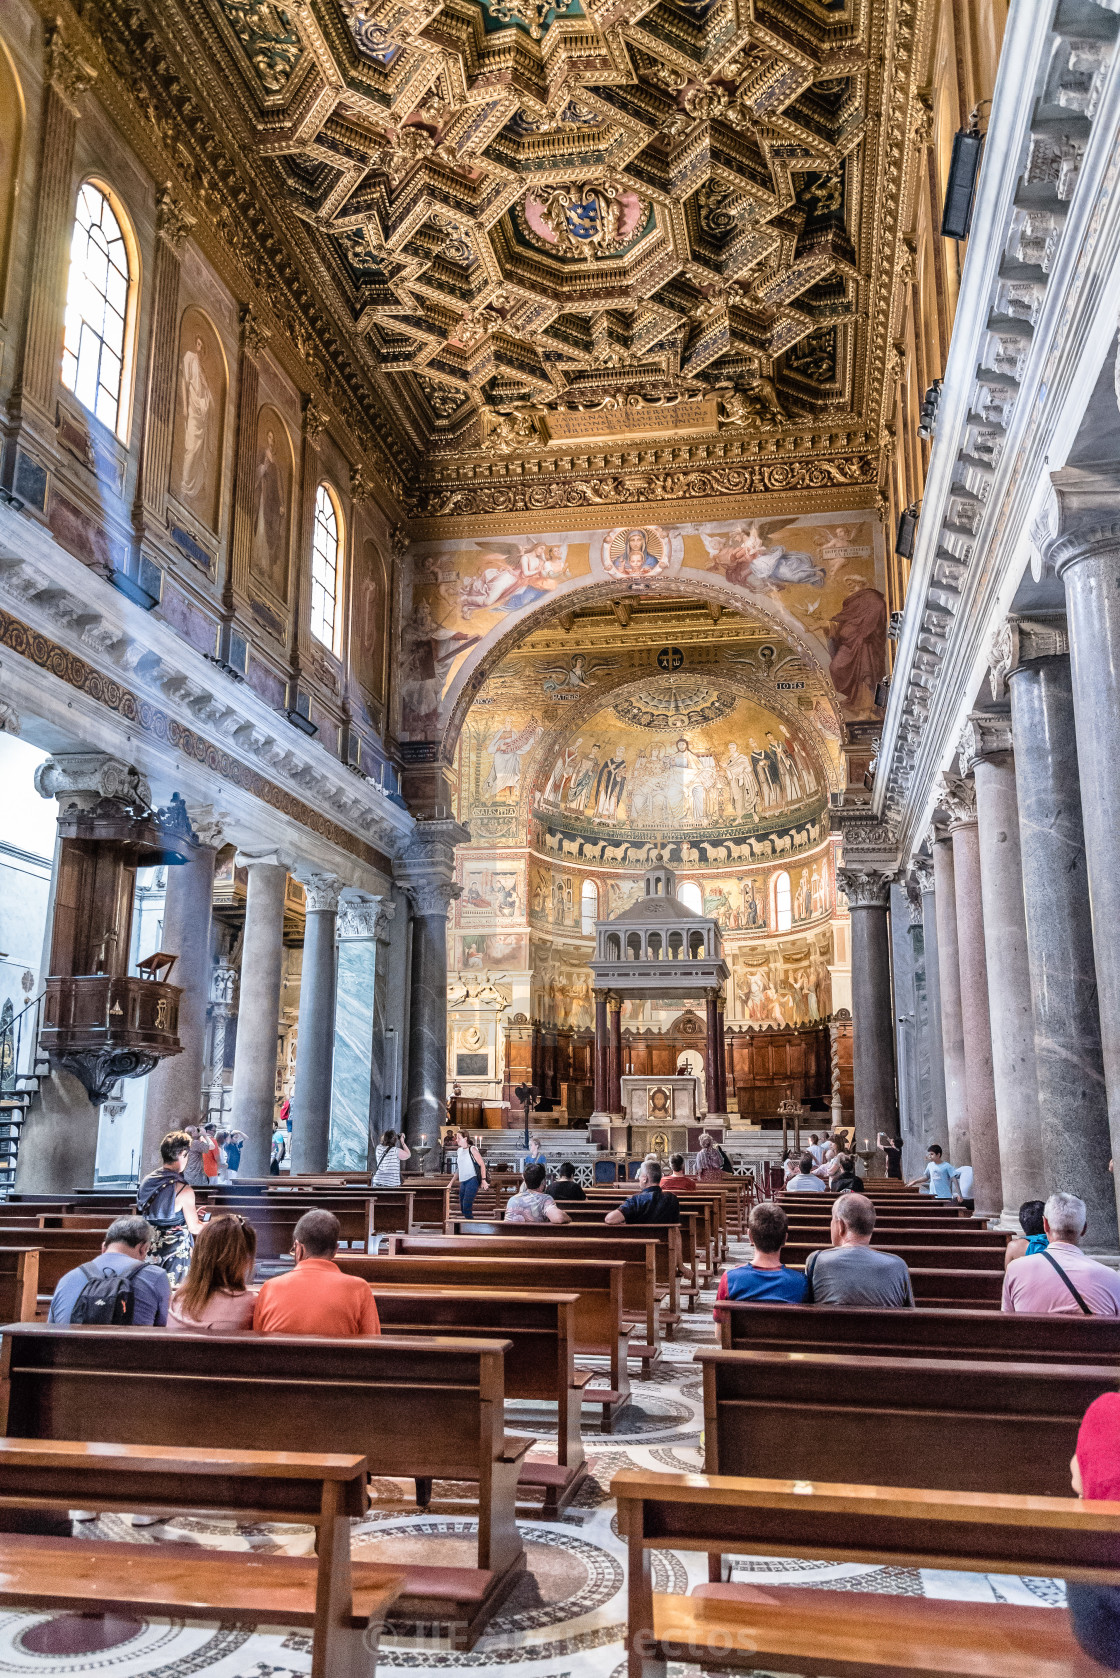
614 1056
939 1123
1014 1070
1088 561
253 1100
311 1099
949 983
979 1078
174 1097
602 1052
711 1055
873 1062
1073 1101
721 1056
427 873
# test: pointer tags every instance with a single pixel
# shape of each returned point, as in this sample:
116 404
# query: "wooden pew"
416 1409
539 1364
340 1602
19 1283
919 1254
667 1237
856 1634
642 1293
59 1250
990 1336
999 1427
362 1218
710 1202
597 1284
699 1245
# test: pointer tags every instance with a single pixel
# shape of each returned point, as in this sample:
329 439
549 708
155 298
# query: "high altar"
658 948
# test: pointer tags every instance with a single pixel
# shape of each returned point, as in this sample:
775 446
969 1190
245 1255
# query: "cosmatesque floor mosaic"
567 1617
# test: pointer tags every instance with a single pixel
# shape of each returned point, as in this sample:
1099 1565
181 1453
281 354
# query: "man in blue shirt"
941 1178
765 1279
649 1205
126 1241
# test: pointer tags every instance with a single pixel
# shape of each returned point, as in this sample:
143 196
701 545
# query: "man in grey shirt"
852 1272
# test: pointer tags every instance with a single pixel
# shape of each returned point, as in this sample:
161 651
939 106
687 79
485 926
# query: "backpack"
108 1296
157 1203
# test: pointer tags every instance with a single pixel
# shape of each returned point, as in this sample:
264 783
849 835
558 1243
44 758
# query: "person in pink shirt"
1062 1281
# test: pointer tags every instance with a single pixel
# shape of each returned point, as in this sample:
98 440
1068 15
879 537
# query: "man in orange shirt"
677 1179
316 1297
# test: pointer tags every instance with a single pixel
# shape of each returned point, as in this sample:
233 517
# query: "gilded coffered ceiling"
547 230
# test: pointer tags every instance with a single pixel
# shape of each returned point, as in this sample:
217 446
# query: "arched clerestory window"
589 907
783 904
326 566
97 346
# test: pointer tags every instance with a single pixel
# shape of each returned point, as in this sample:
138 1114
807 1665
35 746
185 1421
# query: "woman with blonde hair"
216 1295
166 1199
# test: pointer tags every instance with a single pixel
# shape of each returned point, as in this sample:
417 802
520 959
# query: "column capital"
80 780
1087 521
866 888
986 735
1019 642
958 798
67 72
322 892
264 859
365 918
921 873
614 1002
207 825
173 220
426 870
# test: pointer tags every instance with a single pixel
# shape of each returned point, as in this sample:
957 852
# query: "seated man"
532 1205
852 1272
803 1180
942 1180
678 1178
847 1180
316 1297
765 1277
141 1298
649 1205
565 1187
1062 1281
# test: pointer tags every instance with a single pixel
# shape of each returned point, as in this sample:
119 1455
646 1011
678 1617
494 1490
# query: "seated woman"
1094 1610
216 1297
530 1206
1033 1238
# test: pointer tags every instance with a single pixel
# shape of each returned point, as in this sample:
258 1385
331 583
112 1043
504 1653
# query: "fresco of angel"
749 558
513 574
572 677
507 748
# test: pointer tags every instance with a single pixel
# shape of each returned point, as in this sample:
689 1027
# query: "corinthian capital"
322 892
80 780
427 868
958 796
986 735
254 333
67 73
865 888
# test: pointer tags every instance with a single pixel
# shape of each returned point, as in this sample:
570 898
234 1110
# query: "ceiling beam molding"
1035 316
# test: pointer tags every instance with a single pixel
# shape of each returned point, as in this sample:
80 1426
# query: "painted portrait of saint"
199 425
751 558
271 503
370 594
857 645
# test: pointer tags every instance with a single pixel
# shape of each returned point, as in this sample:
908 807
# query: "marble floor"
566 1619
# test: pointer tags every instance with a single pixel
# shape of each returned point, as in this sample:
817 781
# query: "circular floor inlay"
78 1634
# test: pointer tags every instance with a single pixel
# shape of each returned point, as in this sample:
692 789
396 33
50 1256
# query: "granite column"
262 961
427 873
873 1063
1086 556
1072 1096
949 982
175 1086
311 1099
987 749
922 870
602 1053
958 795
711 1053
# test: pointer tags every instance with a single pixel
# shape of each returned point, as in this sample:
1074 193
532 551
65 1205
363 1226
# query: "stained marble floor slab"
566 1618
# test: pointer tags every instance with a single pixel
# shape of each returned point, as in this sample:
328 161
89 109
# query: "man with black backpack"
118 1287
